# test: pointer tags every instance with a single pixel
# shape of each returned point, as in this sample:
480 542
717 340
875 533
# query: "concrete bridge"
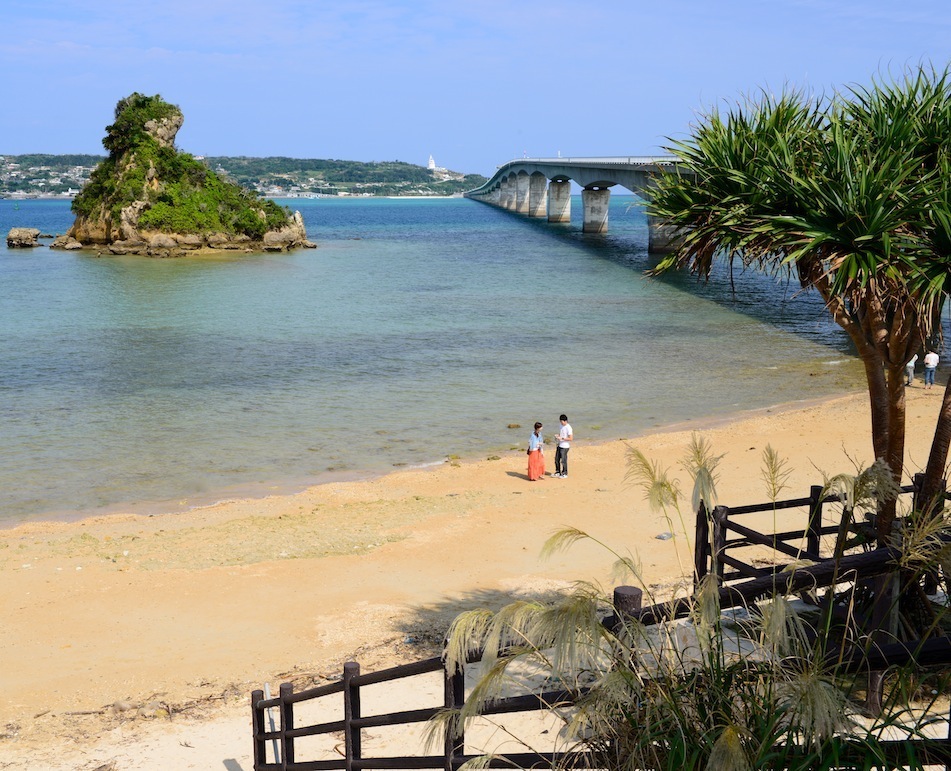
541 187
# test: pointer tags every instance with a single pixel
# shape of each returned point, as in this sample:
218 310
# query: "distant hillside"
41 174
333 177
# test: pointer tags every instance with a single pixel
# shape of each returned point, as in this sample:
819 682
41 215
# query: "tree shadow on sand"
424 627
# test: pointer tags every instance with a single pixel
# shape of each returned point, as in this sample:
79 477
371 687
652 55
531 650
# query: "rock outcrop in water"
22 238
149 198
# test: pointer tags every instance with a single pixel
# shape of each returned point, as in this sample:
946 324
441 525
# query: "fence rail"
713 544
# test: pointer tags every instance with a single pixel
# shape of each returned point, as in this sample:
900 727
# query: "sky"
474 83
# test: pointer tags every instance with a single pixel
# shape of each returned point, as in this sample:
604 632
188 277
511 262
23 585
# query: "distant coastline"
42 175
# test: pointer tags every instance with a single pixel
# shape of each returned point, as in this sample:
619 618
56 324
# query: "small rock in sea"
22 238
664 536
493 457
515 425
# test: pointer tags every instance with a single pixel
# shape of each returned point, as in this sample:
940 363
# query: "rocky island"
149 198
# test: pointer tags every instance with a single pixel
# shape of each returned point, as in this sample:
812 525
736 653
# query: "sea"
418 331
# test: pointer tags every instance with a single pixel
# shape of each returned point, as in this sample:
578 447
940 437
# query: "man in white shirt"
564 444
931 364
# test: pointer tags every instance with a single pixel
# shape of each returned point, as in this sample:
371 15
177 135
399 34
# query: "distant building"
432 164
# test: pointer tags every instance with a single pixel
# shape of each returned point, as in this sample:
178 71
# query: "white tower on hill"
432 164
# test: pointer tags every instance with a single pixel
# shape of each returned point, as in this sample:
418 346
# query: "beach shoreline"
192 610
242 493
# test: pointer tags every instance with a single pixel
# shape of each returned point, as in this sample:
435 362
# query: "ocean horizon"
419 329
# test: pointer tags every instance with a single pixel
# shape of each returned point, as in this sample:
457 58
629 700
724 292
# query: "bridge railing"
613 160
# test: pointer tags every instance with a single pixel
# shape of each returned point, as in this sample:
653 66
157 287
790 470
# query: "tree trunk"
878 394
895 451
932 486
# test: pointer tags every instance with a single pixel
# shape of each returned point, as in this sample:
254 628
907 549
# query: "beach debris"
10 731
666 536
153 709
493 457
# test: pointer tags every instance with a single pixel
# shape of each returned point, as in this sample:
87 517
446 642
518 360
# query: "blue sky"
475 82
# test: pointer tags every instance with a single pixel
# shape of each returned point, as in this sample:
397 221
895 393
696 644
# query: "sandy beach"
133 642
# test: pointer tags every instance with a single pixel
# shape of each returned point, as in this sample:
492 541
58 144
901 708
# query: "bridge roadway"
541 187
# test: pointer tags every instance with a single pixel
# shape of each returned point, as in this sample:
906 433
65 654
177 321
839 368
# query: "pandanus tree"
848 194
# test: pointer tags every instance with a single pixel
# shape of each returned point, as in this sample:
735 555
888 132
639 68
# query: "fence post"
627 600
455 698
287 723
351 710
257 728
701 545
721 515
815 519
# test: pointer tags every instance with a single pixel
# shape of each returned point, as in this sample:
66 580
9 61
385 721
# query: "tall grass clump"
759 687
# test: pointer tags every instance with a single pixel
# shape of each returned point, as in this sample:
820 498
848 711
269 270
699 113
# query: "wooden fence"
353 722
713 542
932 652
275 747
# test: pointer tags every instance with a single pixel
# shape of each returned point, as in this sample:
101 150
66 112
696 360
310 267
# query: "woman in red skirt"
536 455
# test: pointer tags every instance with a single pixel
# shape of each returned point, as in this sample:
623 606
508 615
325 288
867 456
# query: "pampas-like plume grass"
775 473
624 567
727 753
864 489
660 490
702 464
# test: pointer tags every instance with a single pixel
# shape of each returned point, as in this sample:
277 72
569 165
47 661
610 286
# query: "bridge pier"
521 193
559 201
595 202
660 236
537 195
508 193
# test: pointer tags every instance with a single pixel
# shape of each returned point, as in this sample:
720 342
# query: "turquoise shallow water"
417 329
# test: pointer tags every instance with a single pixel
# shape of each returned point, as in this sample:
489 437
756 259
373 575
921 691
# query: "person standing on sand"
910 370
564 444
536 454
931 364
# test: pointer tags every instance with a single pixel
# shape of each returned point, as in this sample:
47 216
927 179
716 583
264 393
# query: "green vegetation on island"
169 191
